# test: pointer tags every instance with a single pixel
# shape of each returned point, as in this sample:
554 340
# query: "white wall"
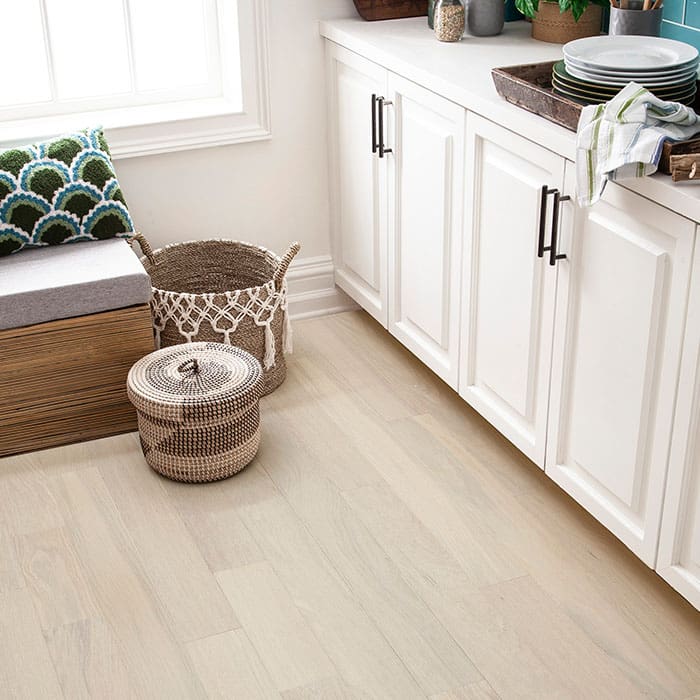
268 192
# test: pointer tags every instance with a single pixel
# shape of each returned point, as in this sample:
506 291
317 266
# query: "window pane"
170 45
25 76
88 40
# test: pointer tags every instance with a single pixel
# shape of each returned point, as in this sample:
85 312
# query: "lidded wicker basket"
198 409
222 291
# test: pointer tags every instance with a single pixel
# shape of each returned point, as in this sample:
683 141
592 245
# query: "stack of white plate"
596 68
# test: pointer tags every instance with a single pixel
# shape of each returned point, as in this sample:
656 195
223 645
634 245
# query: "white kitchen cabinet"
426 197
583 351
358 183
621 303
508 291
679 546
397 195
577 362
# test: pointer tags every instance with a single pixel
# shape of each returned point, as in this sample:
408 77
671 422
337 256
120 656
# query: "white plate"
687 101
630 52
671 74
602 80
583 93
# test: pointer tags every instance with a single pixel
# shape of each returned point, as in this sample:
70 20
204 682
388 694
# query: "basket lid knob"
193 375
189 368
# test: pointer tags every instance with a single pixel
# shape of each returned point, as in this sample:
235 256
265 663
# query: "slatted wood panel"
65 381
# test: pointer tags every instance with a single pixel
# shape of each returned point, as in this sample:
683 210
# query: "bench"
73 319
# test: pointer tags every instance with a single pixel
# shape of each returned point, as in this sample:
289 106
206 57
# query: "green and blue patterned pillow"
60 191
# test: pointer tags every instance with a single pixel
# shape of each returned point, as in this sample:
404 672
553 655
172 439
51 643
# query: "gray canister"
485 17
635 20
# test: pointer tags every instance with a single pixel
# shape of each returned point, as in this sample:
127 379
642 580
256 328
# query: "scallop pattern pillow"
60 191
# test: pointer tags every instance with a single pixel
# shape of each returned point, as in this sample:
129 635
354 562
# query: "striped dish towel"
623 138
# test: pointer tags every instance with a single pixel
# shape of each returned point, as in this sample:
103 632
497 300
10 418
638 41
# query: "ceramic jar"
635 20
485 17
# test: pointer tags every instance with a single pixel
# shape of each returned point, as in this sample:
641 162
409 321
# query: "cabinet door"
426 185
621 305
679 546
508 292
358 180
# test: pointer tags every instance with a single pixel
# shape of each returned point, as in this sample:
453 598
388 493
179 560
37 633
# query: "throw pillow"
60 191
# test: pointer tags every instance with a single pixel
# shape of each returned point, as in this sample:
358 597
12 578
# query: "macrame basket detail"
222 291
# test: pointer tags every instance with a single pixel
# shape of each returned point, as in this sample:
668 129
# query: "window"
160 75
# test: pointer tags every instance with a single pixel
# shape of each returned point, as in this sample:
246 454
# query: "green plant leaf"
577 8
527 7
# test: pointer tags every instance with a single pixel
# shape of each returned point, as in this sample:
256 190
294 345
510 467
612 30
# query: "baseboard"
311 289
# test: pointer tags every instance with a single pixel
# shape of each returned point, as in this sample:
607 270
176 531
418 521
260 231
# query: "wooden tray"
391 9
530 86
679 148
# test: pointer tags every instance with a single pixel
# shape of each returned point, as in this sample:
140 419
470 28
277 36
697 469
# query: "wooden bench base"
65 381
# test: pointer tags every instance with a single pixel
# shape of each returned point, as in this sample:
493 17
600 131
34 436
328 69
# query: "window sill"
153 129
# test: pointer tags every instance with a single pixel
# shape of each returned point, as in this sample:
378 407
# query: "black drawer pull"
553 255
375 145
544 193
381 103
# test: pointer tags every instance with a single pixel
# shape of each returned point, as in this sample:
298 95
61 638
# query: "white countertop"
461 72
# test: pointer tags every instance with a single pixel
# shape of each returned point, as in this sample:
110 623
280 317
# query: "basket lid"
195 380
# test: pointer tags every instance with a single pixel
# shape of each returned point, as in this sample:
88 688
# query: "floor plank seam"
185 642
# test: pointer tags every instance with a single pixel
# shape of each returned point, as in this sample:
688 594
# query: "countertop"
461 72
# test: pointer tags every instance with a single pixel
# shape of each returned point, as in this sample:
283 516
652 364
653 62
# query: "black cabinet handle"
544 193
375 145
553 255
381 103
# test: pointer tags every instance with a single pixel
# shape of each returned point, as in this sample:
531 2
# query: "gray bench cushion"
45 284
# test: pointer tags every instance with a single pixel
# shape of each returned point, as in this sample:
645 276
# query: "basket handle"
281 271
145 246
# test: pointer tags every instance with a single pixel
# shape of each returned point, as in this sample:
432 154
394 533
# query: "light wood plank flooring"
385 543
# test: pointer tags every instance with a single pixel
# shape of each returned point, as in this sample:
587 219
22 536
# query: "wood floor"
385 543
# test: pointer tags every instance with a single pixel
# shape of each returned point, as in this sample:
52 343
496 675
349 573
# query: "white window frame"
183 125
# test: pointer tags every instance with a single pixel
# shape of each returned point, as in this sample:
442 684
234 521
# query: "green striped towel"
623 138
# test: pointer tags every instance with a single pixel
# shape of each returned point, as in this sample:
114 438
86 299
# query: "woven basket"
554 26
198 410
222 291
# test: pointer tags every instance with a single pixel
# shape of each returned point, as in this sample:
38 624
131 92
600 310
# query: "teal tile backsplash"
692 13
674 10
682 21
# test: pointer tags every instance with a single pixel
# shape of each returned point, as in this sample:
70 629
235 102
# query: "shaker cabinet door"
621 304
508 291
426 196
358 180
679 546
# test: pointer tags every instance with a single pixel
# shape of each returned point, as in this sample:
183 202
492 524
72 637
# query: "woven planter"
554 26
198 410
222 291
